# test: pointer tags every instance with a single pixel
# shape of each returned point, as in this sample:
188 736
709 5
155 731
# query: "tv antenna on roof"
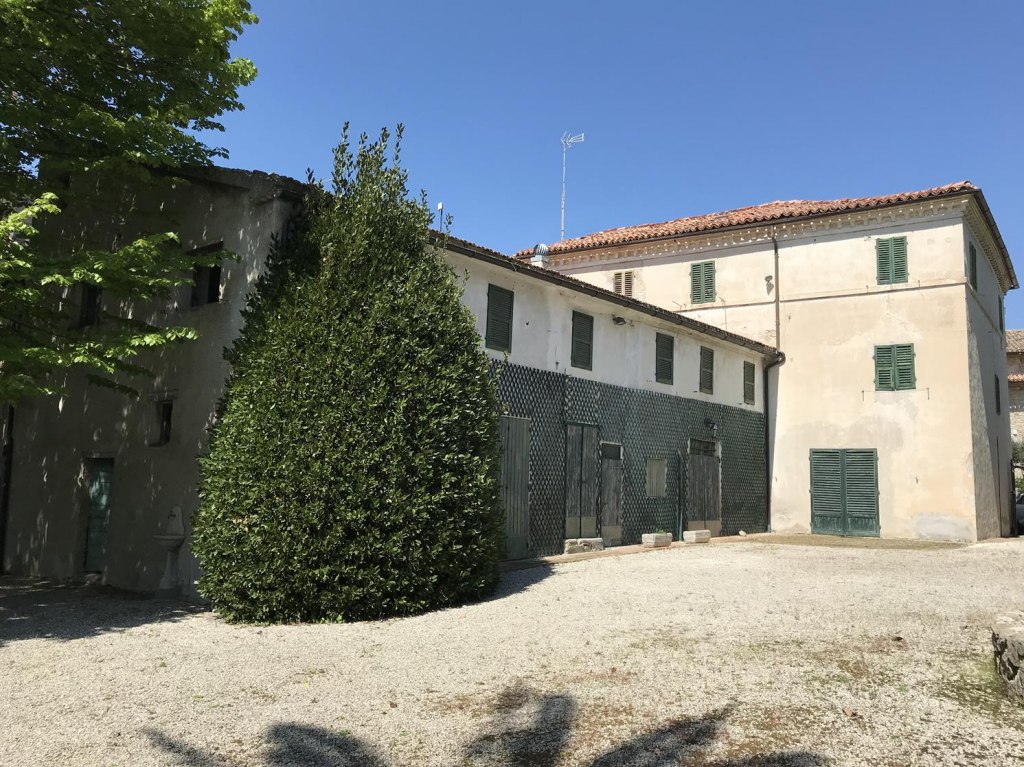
567 142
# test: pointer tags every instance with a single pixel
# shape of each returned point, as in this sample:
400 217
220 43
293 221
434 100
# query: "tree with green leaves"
111 89
352 471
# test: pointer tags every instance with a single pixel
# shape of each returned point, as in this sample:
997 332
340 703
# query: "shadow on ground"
39 609
525 731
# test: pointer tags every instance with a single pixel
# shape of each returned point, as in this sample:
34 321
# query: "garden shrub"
352 470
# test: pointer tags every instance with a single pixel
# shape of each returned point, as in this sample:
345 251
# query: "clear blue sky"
688 108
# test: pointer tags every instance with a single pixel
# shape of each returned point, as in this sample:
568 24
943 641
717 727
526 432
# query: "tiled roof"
1015 378
1015 341
755 214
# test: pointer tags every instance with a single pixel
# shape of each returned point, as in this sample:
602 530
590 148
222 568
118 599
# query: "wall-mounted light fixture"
713 425
619 320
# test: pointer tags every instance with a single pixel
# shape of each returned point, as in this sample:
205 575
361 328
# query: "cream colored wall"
832 314
623 354
827 399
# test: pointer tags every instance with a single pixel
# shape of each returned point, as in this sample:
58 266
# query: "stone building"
1015 378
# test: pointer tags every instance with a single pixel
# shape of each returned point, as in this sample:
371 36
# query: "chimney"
540 255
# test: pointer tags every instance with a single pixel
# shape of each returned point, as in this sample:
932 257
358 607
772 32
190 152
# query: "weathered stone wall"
1008 646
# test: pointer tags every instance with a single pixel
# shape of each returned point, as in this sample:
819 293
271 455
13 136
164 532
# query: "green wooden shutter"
696 283
499 319
860 492
972 266
748 383
883 255
664 358
903 355
709 282
899 259
885 378
707 370
826 491
582 340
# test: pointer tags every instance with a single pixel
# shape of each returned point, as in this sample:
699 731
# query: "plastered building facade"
889 312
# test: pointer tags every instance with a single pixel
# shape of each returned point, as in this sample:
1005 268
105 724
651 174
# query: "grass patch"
978 687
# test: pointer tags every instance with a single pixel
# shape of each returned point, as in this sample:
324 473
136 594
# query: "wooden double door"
593 485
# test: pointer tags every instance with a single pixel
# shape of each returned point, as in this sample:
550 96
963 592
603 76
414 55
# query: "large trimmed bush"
352 470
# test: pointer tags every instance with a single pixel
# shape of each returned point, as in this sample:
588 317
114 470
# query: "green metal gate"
100 476
844 492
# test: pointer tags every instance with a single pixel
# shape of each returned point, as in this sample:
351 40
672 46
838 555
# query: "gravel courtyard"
746 654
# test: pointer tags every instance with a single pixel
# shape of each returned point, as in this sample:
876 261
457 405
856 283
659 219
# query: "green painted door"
515 485
844 492
100 474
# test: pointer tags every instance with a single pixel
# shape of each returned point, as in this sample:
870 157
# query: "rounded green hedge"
352 471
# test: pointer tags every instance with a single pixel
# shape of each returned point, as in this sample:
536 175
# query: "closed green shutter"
707 370
972 266
827 491
702 282
844 492
891 255
904 357
860 492
883 254
999 404
664 362
748 383
885 378
499 319
582 340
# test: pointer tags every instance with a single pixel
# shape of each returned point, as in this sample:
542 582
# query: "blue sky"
687 107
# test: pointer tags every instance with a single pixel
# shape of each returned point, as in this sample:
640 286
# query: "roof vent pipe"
540 255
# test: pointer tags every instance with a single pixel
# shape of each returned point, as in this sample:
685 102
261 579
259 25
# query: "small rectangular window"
91 303
894 367
972 266
162 431
205 285
664 358
702 282
891 255
748 383
707 370
498 335
611 451
582 341
622 283
657 477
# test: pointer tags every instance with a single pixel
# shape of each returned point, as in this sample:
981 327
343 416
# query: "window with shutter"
999 403
894 367
582 341
664 358
622 283
972 266
748 383
702 282
707 370
498 334
891 255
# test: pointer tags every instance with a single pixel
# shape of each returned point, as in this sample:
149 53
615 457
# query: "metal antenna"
567 142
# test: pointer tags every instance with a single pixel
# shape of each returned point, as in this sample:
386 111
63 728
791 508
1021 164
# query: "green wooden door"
515 485
100 476
844 492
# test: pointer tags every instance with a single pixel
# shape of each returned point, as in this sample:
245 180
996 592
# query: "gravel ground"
740 655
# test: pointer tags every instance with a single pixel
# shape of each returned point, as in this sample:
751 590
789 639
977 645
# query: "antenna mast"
567 142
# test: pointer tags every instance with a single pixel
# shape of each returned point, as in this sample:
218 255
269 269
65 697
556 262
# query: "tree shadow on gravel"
525 730
40 609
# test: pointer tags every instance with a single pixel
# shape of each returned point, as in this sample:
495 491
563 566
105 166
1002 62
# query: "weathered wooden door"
844 492
703 487
581 480
515 485
611 493
100 478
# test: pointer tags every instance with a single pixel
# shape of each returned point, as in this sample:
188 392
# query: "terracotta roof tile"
754 214
1015 341
1015 378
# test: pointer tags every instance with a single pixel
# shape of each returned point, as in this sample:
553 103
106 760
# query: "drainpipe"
778 308
780 358
5 491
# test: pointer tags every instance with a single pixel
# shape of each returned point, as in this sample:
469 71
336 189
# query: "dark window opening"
205 285
162 434
89 309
